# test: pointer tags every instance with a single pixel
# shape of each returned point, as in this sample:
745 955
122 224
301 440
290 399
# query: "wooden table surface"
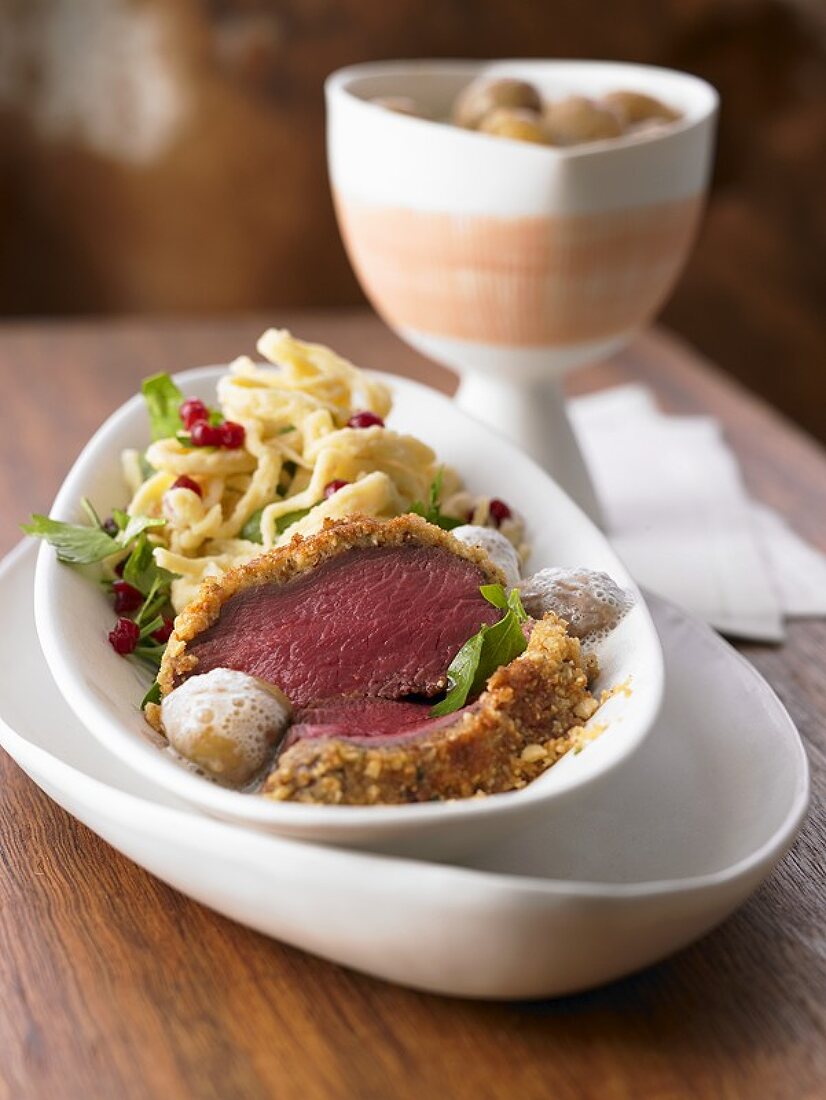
114 985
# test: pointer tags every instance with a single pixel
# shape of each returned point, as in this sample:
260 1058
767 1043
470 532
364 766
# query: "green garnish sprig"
252 528
489 649
82 544
432 511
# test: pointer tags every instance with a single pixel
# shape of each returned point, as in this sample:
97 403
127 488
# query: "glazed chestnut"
482 96
577 119
515 123
632 108
226 722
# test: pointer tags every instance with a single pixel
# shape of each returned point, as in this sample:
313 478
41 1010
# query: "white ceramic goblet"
513 262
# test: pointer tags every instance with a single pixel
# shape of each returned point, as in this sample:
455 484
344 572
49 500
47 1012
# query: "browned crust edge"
299 556
530 714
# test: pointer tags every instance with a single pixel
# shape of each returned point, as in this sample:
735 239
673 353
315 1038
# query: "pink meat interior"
364 721
383 621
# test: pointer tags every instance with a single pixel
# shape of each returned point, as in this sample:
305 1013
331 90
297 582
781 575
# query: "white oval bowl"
74 616
636 867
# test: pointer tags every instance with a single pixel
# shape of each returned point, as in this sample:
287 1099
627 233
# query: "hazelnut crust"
299 556
530 714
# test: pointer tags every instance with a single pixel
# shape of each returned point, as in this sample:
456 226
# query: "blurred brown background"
167 155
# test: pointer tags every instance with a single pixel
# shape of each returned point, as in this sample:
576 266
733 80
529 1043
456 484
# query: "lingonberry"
333 487
127 597
185 482
192 411
499 511
232 435
203 434
124 636
365 419
163 632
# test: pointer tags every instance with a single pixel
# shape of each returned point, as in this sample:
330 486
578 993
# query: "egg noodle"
294 412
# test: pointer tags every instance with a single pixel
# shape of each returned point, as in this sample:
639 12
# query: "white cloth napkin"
678 514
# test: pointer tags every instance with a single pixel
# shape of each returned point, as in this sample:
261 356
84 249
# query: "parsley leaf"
141 570
74 542
486 651
163 399
135 526
252 528
432 511
79 544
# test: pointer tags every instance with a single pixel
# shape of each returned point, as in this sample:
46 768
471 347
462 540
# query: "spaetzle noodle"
294 410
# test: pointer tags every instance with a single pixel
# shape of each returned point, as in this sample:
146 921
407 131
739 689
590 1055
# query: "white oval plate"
73 618
637 866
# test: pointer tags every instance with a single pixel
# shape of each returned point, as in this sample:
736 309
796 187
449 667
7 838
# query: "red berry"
204 434
163 632
184 482
232 435
127 597
119 568
469 515
333 487
498 511
365 420
124 636
110 527
191 411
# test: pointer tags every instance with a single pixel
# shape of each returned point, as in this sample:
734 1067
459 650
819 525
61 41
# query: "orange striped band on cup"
522 281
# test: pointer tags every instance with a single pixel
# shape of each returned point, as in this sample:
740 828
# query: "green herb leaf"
152 696
252 528
486 651
74 543
515 604
135 526
495 594
432 512
461 673
503 642
163 399
79 544
150 611
251 531
287 520
120 518
505 601
141 570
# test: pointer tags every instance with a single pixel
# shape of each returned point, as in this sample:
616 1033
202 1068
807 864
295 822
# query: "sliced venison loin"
529 715
358 625
363 720
377 612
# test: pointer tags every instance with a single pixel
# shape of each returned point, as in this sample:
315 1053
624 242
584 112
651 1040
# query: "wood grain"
112 984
